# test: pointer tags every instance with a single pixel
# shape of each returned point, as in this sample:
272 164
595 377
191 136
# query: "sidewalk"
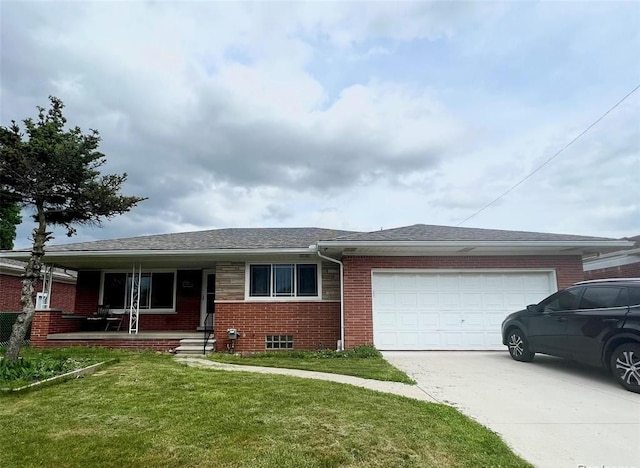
397 388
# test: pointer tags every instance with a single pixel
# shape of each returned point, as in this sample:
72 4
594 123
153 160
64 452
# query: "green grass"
149 410
363 361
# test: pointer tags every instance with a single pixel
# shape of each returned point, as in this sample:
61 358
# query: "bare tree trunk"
31 276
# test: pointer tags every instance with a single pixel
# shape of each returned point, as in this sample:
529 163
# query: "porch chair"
104 314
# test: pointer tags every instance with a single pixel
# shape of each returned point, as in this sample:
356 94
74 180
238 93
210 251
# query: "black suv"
594 322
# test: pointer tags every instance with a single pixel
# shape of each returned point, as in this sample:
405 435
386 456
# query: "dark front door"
208 299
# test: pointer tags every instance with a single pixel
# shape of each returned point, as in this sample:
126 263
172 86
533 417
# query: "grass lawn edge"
61 378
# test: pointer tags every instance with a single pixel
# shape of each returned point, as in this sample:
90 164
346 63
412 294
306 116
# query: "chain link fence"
7 319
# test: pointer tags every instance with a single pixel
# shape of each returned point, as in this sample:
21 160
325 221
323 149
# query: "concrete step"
195 346
195 341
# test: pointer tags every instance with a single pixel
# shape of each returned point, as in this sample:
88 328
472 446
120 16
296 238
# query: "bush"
365 351
359 352
30 370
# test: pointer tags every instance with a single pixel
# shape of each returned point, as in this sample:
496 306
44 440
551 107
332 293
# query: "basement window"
279 341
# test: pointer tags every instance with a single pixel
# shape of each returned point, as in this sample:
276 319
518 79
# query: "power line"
550 159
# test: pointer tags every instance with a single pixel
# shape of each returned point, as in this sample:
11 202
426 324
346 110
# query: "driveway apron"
552 412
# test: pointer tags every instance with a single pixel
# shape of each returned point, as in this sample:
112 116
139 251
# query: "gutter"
532 243
15 254
341 345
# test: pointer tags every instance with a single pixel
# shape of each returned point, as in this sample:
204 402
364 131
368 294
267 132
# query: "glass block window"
279 341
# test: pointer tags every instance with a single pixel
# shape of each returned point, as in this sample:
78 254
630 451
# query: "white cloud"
226 114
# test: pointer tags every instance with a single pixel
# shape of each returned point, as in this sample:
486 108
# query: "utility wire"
550 159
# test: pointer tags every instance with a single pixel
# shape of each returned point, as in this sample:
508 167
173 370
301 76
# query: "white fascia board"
16 270
156 253
627 257
464 244
617 253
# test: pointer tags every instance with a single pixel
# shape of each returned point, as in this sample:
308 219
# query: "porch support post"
134 303
47 279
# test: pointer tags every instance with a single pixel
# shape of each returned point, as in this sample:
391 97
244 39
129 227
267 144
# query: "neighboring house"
623 263
63 287
62 298
416 287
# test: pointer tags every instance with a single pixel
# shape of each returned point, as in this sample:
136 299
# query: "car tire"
519 346
625 366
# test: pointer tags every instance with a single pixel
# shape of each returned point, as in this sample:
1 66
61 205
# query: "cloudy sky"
344 115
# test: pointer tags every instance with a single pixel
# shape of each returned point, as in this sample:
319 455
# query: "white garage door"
450 310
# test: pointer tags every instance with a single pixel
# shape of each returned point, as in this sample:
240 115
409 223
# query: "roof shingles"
301 238
424 232
233 238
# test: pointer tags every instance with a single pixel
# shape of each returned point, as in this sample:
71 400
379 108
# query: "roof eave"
462 244
156 253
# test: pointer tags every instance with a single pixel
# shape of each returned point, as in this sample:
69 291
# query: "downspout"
341 347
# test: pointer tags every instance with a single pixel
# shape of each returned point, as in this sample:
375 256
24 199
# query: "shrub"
29 370
359 352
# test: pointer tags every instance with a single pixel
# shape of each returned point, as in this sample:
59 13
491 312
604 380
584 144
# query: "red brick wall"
62 294
311 323
357 281
187 302
154 344
52 321
632 270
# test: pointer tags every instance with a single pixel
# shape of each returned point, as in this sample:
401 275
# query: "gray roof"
234 238
302 238
424 232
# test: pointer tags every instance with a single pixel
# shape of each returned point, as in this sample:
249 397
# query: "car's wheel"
625 366
518 346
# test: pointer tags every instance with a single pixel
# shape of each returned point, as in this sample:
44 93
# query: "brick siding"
631 270
312 324
357 281
163 345
62 294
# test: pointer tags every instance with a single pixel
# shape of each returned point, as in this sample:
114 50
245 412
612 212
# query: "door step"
196 346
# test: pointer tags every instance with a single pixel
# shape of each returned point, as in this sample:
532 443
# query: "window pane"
563 300
634 296
307 280
602 297
259 280
145 283
162 291
114 290
283 280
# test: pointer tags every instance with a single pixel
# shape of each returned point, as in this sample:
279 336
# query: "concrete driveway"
552 412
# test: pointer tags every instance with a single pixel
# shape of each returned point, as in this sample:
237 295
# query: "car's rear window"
602 297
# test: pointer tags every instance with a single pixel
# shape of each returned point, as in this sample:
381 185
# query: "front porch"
165 341
54 328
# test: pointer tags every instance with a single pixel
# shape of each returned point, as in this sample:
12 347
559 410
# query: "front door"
207 307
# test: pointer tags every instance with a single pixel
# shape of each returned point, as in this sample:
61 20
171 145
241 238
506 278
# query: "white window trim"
247 280
165 311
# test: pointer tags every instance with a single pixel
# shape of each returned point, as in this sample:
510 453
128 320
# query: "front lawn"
363 361
149 410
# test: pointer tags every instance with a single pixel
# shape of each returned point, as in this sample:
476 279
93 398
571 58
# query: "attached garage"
450 310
